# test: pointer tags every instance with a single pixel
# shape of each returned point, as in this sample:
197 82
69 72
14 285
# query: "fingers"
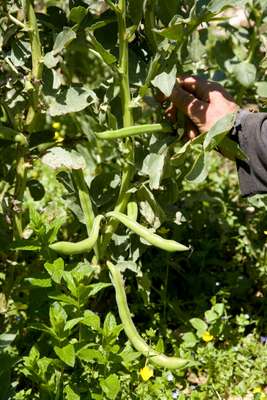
203 89
191 130
186 102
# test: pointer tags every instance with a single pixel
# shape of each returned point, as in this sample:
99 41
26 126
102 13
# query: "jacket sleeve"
250 131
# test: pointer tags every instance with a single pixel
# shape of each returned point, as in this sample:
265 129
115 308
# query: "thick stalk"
86 203
37 64
128 170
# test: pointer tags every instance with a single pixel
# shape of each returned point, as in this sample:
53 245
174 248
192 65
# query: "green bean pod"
133 131
152 238
137 341
69 248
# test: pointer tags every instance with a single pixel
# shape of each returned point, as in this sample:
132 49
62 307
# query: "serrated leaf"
218 131
165 81
58 158
55 270
91 319
66 354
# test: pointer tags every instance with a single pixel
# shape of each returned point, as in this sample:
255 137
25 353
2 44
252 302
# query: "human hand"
204 102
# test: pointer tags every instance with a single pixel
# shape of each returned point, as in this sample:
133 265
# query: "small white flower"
170 377
175 394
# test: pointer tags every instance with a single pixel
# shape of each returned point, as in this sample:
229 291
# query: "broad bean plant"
77 100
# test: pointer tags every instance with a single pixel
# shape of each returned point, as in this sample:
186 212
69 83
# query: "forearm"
251 133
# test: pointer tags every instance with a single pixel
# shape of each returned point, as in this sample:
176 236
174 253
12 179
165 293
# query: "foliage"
69 72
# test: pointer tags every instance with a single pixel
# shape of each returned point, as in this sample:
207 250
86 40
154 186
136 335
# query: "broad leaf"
58 158
111 386
245 73
165 82
218 131
66 354
199 171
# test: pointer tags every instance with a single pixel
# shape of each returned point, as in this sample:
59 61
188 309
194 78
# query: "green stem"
149 22
20 185
128 170
37 64
86 203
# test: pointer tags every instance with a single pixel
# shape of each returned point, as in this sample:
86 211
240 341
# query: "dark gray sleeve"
251 133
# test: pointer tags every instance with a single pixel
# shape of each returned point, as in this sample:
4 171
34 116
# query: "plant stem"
149 22
86 203
21 178
128 170
37 64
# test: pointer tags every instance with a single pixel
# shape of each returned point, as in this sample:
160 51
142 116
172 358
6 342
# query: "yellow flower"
146 373
207 337
56 125
58 137
259 390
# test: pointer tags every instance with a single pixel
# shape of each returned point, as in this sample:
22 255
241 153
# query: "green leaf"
65 299
219 308
261 89
44 283
106 56
97 7
71 323
199 171
55 270
96 287
165 81
91 319
211 316
109 324
58 317
91 355
173 32
58 158
110 386
199 325
63 39
231 150
77 14
218 131
69 99
6 339
135 10
66 354
189 339
70 394
245 73
153 166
